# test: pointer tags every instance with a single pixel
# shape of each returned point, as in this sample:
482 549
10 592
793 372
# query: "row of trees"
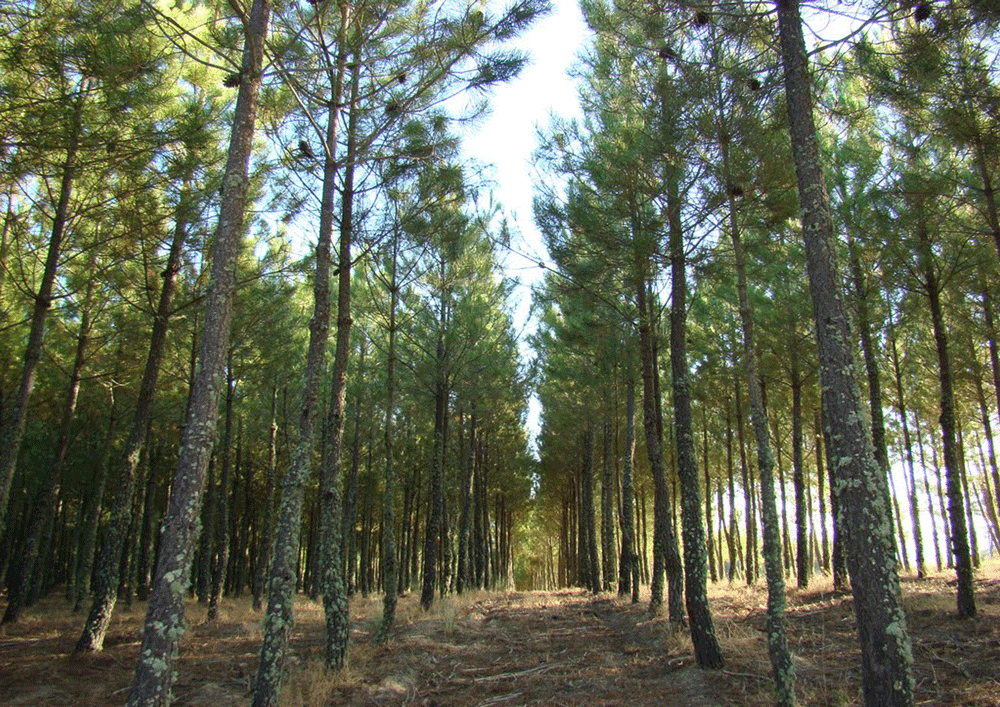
176 418
694 210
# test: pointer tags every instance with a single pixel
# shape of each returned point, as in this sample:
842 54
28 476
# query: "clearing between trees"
566 648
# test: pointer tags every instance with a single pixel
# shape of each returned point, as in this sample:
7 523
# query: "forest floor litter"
563 648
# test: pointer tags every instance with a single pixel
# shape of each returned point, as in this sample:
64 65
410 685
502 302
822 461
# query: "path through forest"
563 648
553 648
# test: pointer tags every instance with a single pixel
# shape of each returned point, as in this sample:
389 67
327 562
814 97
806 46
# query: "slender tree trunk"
165 617
587 512
708 655
885 647
389 579
663 528
92 508
265 541
279 617
12 433
607 510
973 541
750 564
50 488
114 533
818 445
781 658
435 509
628 575
908 446
956 511
349 512
991 332
222 510
802 567
709 544
335 603
734 553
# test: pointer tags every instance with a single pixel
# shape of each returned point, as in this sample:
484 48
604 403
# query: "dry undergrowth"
560 648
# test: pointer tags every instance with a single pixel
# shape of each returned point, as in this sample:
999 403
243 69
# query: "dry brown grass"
562 647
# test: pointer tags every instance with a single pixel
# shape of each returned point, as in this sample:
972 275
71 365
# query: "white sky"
506 138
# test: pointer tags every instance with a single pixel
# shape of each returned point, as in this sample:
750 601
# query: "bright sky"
505 140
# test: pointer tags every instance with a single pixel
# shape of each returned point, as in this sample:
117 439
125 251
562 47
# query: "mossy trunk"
708 655
859 483
965 596
782 667
220 558
113 535
802 565
628 569
49 489
12 432
608 560
164 625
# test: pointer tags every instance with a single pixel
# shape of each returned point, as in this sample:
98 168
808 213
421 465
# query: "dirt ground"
563 648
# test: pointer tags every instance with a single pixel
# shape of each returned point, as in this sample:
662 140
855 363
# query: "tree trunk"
92 508
49 489
335 603
587 512
113 535
709 526
389 579
663 523
708 655
12 432
859 483
265 540
607 510
628 571
734 553
956 512
781 658
279 618
908 446
802 566
222 510
165 617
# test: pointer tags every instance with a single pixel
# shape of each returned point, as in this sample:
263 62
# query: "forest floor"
564 648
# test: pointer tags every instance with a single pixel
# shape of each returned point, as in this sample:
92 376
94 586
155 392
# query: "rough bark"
282 581
782 667
389 579
165 616
114 533
708 655
965 596
222 509
908 447
885 647
663 523
49 490
628 571
607 513
12 433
